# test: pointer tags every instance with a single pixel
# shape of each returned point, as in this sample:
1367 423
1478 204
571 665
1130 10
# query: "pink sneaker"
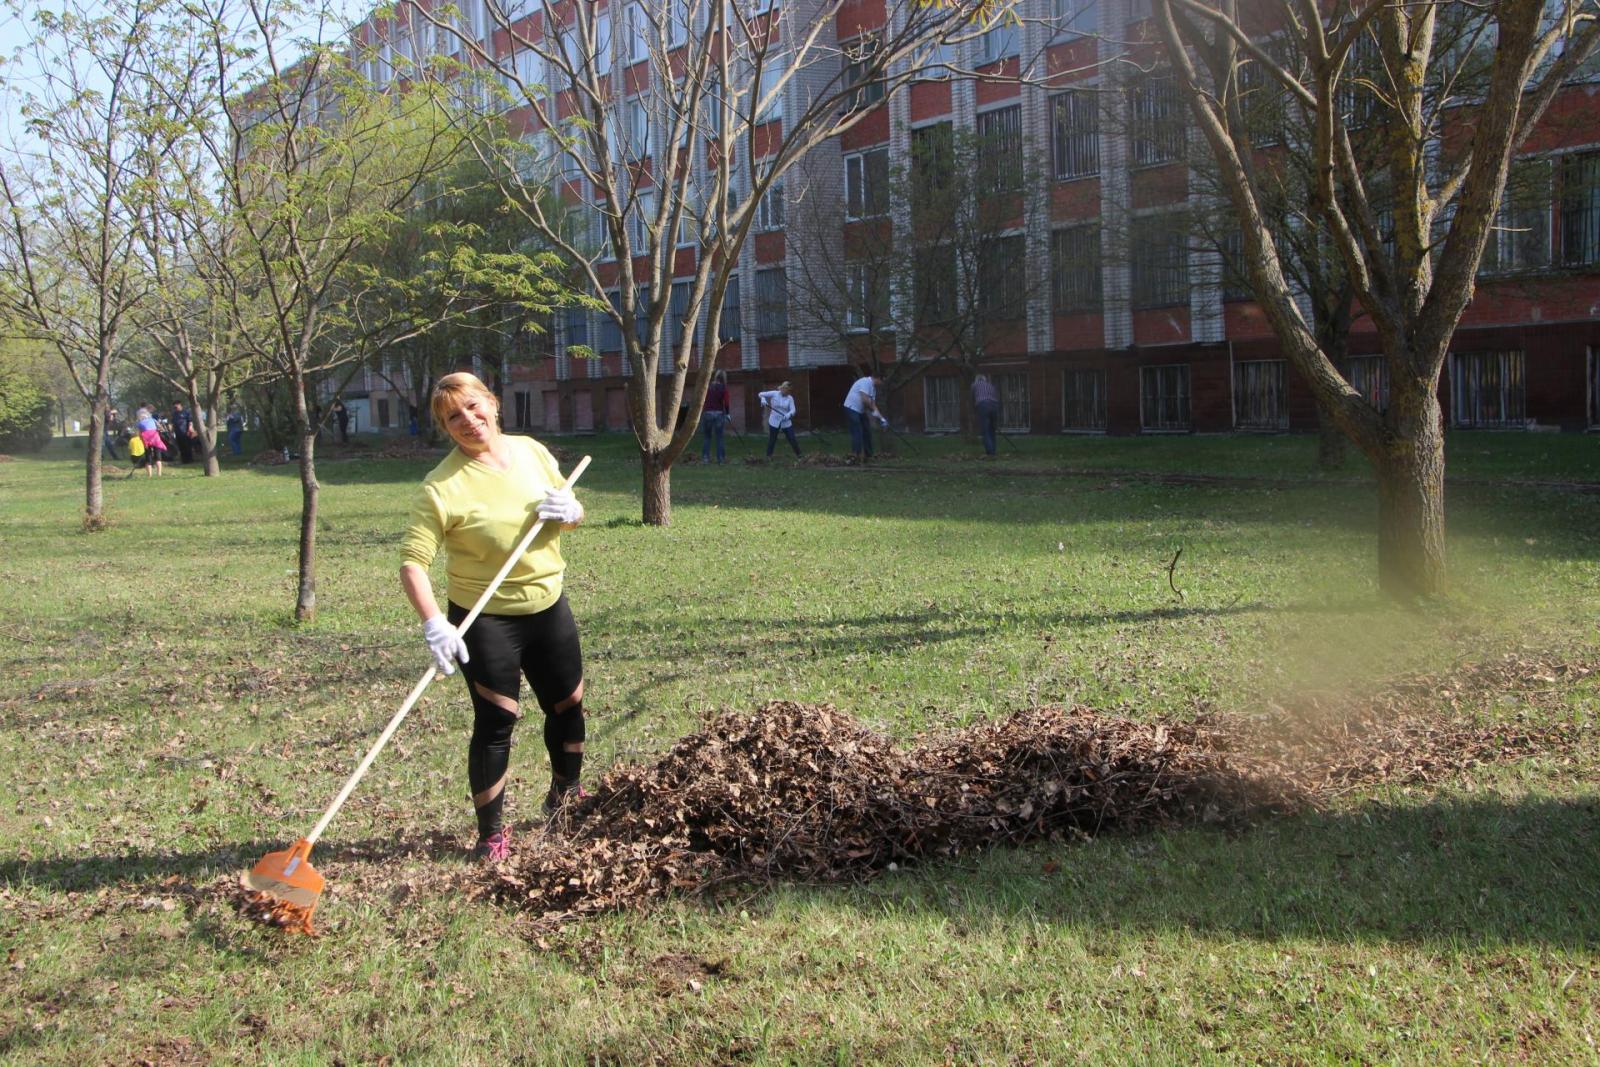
494 848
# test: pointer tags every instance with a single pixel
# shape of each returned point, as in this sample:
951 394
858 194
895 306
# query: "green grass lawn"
163 723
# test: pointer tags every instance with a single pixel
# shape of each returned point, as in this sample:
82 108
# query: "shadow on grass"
132 870
1466 872
890 632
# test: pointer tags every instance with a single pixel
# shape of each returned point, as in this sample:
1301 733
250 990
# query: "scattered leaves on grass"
268 910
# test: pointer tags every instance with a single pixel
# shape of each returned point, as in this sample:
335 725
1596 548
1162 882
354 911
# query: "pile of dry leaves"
807 792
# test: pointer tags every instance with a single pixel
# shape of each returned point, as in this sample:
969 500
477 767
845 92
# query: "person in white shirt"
860 408
779 406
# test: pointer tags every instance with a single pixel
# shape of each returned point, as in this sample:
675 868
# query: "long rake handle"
433 672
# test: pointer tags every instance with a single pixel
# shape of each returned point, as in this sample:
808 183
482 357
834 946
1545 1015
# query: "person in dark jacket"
714 420
183 432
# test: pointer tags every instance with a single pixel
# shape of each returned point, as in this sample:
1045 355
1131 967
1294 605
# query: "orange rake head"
293 885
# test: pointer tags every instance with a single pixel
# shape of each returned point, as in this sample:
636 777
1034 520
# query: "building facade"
1127 323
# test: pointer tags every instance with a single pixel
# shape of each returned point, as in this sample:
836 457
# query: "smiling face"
473 423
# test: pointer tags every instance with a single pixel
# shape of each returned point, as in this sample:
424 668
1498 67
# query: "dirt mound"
807 792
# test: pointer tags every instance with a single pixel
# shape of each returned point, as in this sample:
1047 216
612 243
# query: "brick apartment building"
1136 328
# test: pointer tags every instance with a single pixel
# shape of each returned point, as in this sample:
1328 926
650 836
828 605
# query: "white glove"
445 644
882 421
559 505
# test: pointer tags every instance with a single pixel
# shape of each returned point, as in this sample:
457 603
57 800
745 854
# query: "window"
941 400
1075 269
1013 390
1235 279
1261 98
577 328
934 277
609 336
866 183
772 303
1075 134
932 165
640 33
1002 279
602 43
1002 40
1580 208
1357 91
729 327
769 209
641 315
1076 17
869 297
383 412
1000 150
1160 261
1520 239
641 218
530 71
679 311
1164 398
1369 376
1083 401
1157 122
1486 390
678 24
862 75
1261 395
771 90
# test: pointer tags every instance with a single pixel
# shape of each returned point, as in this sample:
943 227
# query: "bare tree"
316 168
1440 166
75 190
674 121
932 272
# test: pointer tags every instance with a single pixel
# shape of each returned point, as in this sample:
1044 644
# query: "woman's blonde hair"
451 391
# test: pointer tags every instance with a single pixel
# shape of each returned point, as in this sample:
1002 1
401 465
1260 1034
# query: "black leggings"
502 648
788 432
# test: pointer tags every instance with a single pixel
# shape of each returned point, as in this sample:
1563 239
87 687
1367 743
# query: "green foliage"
24 411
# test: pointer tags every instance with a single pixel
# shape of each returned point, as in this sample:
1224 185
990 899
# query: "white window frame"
770 209
1075 18
641 31
644 207
771 74
858 193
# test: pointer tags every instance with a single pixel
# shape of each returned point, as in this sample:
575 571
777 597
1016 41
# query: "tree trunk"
1411 564
657 488
94 484
305 605
1331 450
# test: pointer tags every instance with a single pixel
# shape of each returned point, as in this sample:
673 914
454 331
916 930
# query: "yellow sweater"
479 514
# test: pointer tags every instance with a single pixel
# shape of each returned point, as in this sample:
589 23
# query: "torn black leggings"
503 648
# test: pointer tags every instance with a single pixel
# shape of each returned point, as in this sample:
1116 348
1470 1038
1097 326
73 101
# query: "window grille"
1164 398
1487 390
1261 395
1083 400
730 328
1157 120
1000 152
609 337
935 280
1160 261
679 310
1369 376
577 328
1075 269
869 298
1075 130
932 164
1580 208
1002 278
772 303
941 404
1013 390
1520 239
